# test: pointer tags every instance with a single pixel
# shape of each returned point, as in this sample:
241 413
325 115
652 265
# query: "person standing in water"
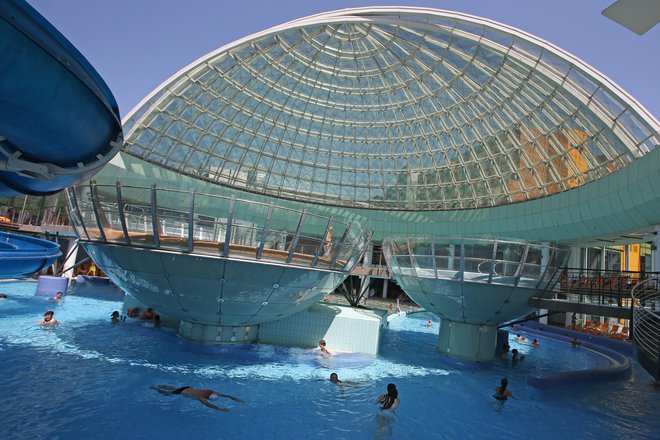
324 349
203 396
501 392
389 400
48 319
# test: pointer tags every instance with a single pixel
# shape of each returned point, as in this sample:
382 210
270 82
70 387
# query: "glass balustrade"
493 261
215 225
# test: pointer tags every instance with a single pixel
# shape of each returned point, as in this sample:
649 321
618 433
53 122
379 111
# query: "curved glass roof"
392 108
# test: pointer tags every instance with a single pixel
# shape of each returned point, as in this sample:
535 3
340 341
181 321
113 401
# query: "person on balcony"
328 242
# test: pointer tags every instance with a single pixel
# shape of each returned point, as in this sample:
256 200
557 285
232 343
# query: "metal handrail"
405 254
646 316
166 218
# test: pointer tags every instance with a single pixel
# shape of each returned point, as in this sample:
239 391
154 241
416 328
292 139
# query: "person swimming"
324 349
516 357
389 400
334 378
48 319
202 395
501 392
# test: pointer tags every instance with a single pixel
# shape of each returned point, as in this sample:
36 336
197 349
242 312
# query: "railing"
604 287
32 211
489 261
646 319
193 222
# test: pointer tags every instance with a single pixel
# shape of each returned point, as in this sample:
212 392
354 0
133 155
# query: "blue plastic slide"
21 255
59 123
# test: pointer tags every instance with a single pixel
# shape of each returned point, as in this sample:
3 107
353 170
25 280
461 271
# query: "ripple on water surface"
89 378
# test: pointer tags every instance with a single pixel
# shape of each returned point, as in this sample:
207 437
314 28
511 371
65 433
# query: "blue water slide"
21 255
59 123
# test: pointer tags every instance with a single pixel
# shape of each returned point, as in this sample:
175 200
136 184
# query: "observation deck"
210 261
473 284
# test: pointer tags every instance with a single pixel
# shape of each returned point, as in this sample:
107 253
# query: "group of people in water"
388 401
49 317
147 315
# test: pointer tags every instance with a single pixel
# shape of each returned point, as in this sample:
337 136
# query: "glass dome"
392 108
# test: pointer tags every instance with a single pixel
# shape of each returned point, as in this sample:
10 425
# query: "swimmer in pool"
335 379
202 395
501 393
324 349
516 357
389 400
48 319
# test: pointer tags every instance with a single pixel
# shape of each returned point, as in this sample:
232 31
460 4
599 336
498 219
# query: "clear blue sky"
137 44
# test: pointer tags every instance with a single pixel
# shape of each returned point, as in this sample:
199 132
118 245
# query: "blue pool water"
90 379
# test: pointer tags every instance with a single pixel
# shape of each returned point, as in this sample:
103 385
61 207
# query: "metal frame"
122 217
92 195
528 53
154 216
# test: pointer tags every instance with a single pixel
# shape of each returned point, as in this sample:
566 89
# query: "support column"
72 252
218 334
627 261
452 254
368 255
385 284
545 255
467 341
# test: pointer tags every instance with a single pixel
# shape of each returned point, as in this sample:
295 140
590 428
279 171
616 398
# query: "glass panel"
83 194
75 215
137 210
106 201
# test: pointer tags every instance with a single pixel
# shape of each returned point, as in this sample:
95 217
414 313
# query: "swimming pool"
90 379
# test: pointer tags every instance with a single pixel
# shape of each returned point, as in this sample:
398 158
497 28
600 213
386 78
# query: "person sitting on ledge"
203 396
148 314
48 319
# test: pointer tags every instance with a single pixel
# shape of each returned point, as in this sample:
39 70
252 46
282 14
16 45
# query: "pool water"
89 378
